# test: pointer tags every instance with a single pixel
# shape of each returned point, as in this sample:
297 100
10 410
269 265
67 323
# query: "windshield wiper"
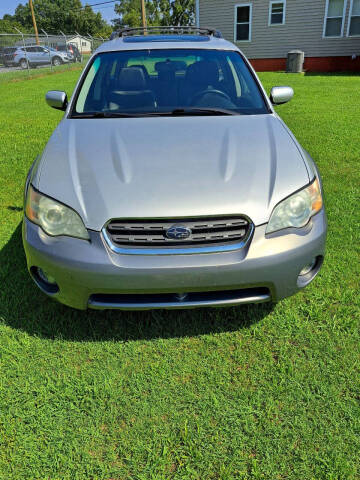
203 111
177 112
104 115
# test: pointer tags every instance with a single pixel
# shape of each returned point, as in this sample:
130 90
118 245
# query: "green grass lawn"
256 392
16 75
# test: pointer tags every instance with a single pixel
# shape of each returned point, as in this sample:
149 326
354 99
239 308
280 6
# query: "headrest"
205 72
132 79
143 68
173 65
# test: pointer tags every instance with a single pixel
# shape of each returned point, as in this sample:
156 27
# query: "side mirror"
279 95
57 99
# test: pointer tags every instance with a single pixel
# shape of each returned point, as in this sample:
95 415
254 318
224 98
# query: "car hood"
171 167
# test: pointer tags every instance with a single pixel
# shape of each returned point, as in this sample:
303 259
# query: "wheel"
56 61
23 64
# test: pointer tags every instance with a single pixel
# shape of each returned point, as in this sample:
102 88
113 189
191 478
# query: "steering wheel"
213 91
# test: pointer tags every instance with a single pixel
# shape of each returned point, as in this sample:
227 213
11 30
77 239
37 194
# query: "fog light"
45 277
307 269
44 280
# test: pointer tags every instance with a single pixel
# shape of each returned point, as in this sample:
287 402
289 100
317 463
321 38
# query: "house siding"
303 29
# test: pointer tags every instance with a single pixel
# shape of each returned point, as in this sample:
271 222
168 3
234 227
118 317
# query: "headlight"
53 217
296 210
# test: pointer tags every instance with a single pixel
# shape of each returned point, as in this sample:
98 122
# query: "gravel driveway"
8 69
11 69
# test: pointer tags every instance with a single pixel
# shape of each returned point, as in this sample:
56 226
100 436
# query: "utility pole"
34 22
143 15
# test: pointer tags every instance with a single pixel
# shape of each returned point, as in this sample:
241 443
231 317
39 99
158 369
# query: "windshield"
166 81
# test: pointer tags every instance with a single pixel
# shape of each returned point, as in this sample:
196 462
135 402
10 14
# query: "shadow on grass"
24 307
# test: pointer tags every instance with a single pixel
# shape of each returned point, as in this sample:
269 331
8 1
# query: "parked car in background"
33 55
72 51
75 53
171 182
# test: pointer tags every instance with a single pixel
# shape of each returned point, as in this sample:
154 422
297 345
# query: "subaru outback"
171 182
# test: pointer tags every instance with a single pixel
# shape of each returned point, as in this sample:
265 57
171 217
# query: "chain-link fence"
26 51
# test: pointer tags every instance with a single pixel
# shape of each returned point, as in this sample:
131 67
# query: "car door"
31 54
42 55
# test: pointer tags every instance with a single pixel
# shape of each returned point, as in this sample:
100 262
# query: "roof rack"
170 30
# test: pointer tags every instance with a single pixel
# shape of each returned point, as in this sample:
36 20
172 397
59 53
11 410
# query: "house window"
277 13
334 18
243 14
83 44
354 20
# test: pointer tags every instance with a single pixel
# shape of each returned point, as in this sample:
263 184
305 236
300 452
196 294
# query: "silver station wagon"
171 182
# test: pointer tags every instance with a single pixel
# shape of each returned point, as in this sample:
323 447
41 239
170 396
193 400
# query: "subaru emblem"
178 232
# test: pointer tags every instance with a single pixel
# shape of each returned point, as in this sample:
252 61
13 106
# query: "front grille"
198 232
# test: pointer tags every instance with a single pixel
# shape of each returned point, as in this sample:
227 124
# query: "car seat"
132 91
199 76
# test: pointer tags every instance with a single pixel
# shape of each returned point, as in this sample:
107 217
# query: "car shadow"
24 307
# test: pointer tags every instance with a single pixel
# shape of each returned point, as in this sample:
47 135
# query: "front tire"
24 64
56 61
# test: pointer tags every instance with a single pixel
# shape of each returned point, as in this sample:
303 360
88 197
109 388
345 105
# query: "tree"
177 12
7 25
66 15
158 12
104 32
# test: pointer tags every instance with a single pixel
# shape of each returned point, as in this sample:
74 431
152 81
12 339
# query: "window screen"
277 11
334 18
354 27
243 23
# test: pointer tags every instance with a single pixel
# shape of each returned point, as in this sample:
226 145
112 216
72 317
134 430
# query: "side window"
88 83
113 70
334 18
238 89
243 19
250 95
277 12
354 20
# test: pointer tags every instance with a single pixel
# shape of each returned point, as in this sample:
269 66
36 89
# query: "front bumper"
89 274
